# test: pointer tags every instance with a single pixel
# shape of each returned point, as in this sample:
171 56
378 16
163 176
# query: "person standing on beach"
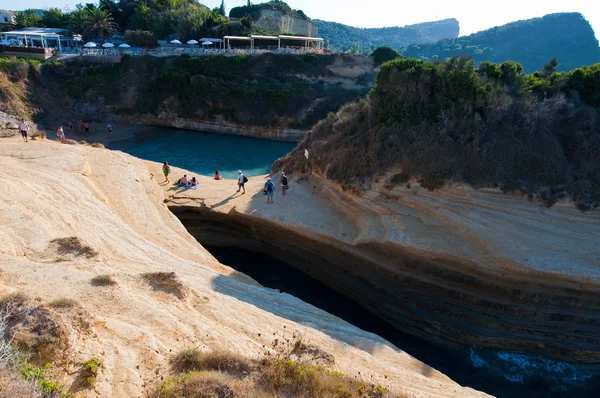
241 181
166 170
24 127
61 134
109 128
284 183
270 188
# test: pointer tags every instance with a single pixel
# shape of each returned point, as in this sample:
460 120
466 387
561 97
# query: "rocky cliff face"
277 21
456 266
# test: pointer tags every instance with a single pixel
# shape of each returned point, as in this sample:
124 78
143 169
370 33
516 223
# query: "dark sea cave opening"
498 373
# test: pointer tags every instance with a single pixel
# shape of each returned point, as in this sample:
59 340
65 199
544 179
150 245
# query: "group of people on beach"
268 190
78 126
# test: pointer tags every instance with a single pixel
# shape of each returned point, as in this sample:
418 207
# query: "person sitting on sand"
194 182
184 180
218 175
166 170
270 187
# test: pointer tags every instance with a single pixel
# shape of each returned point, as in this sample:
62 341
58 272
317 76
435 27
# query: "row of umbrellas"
206 43
91 44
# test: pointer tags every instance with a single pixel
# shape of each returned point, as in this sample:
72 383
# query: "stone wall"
276 21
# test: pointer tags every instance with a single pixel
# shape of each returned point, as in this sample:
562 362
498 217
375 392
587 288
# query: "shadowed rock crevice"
426 295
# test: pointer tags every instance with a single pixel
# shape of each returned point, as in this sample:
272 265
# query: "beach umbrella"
90 44
124 45
192 41
108 45
207 43
176 41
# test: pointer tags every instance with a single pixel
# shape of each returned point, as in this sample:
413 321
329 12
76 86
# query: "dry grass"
97 145
38 135
222 361
224 374
166 281
63 303
74 246
103 280
13 301
12 385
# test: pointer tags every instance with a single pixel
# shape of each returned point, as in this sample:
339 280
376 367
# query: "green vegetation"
488 127
37 376
384 54
348 38
567 36
91 367
187 19
226 374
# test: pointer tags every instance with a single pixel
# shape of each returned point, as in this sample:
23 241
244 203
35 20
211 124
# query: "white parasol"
108 45
90 44
176 41
124 45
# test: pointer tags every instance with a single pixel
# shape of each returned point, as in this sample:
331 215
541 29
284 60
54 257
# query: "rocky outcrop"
9 126
456 266
278 21
228 128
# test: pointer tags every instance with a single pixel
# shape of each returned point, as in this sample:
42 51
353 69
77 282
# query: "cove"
203 153
263 254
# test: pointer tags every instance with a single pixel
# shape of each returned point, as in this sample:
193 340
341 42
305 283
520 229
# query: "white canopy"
176 41
207 43
90 44
108 45
192 41
124 45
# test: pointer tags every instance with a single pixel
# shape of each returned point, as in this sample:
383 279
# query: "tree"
222 8
550 67
99 24
26 19
54 18
383 54
78 20
246 22
140 38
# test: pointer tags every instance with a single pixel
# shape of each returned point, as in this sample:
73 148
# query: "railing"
27 50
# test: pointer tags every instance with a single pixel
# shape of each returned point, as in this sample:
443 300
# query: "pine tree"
222 8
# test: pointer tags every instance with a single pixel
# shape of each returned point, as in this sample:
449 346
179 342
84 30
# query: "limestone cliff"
81 212
278 21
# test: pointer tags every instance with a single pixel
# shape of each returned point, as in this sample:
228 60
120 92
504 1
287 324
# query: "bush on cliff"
449 122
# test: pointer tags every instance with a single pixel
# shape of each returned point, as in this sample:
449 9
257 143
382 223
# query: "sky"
473 16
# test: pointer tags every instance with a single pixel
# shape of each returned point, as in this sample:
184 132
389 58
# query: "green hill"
491 126
533 42
343 37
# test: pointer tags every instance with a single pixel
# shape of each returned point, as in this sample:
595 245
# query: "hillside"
260 92
438 124
342 37
276 17
533 42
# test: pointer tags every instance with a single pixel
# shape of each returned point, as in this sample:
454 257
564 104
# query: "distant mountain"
343 37
532 43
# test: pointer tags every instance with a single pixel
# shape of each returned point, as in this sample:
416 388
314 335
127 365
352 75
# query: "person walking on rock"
242 180
166 170
270 188
284 183
61 134
24 127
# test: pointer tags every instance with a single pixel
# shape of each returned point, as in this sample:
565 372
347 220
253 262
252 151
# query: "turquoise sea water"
203 153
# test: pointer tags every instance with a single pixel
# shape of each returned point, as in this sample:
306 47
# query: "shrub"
73 245
63 303
103 280
383 54
167 281
140 38
91 367
222 361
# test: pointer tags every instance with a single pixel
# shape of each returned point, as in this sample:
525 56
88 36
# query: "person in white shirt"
24 127
60 133
241 181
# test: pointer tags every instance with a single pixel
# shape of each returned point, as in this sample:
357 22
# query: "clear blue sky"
472 15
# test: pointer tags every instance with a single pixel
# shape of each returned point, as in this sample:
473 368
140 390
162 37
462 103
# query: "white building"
6 17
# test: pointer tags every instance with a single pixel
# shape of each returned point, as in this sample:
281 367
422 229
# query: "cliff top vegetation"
491 126
254 10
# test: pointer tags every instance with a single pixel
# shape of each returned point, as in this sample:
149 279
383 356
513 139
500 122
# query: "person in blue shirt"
270 188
